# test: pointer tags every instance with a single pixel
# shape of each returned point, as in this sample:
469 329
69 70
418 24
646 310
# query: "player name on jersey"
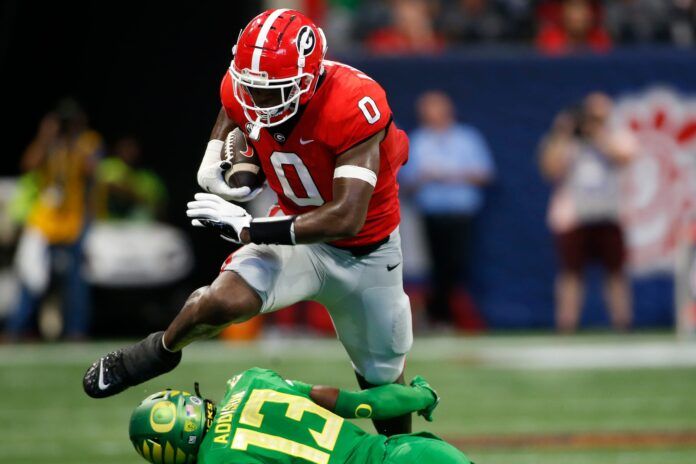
265 420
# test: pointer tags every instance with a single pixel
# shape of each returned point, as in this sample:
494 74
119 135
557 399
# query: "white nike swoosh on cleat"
100 383
305 142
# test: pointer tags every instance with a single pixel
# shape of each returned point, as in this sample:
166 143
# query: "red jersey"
347 109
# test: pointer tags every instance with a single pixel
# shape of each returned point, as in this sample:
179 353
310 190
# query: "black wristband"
277 231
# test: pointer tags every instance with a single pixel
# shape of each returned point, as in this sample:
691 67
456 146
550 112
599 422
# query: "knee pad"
382 372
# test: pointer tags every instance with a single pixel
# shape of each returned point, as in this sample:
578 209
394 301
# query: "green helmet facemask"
168 427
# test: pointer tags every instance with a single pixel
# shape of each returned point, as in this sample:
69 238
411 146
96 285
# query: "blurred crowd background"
551 183
553 27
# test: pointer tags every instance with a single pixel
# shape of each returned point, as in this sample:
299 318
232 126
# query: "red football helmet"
276 66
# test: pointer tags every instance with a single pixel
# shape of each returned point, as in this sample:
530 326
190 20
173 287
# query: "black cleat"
107 376
118 370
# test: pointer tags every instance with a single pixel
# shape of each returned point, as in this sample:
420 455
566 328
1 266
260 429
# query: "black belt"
362 250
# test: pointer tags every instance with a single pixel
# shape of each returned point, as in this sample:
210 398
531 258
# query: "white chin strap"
255 131
263 118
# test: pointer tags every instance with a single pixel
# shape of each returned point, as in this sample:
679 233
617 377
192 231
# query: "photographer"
582 157
62 157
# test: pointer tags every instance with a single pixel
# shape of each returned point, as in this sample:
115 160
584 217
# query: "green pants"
422 448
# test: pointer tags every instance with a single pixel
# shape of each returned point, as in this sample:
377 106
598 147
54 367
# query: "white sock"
165 346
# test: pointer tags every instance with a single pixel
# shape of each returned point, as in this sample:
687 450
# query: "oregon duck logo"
163 416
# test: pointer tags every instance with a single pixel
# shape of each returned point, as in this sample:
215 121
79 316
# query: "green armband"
382 402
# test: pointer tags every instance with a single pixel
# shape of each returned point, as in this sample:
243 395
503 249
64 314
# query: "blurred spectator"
562 26
448 165
411 30
638 21
582 157
127 191
338 23
683 22
62 158
651 21
469 21
577 29
519 15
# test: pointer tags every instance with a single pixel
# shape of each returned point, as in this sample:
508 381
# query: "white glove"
211 175
211 211
247 197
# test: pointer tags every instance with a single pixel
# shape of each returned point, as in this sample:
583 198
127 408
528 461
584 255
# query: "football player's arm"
223 126
355 177
344 216
211 173
383 402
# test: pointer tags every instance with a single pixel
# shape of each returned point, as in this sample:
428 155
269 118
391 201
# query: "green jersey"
264 419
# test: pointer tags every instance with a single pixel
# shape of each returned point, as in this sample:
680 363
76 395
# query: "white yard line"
596 356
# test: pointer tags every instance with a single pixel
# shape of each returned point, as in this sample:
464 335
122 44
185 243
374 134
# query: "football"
245 169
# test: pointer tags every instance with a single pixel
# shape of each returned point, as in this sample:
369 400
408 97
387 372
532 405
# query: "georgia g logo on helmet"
278 59
306 41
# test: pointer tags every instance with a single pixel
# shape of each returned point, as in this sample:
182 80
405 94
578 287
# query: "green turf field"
506 400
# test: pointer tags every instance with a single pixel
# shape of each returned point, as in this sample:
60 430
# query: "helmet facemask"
293 50
269 102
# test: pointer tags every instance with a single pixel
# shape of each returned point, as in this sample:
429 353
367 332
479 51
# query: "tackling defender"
265 419
327 145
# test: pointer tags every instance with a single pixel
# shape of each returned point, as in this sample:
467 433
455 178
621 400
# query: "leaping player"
324 136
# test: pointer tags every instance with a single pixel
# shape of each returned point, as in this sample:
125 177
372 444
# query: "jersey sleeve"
383 402
362 112
232 108
409 172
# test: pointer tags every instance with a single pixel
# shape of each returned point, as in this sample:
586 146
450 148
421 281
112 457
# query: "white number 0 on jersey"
313 198
278 158
372 114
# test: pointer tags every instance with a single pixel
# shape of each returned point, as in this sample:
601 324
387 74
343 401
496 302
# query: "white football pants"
363 294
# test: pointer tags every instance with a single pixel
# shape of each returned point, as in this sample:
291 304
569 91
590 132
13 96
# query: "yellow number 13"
297 406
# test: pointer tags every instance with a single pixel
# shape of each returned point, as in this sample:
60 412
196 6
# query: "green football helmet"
168 427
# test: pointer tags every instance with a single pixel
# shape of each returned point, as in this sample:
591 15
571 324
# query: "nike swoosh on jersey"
100 383
392 267
305 142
